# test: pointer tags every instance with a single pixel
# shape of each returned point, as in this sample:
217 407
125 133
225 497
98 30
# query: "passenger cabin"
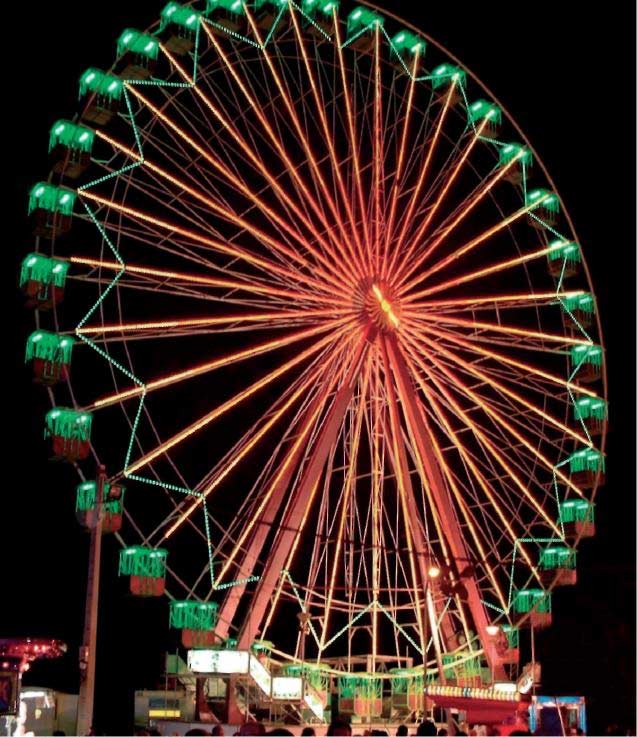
104 91
70 147
586 362
361 29
578 518
557 566
196 620
146 568
447 82
138 53
532 608
485 117
543 208
178 26
50 210
88 510
564 259
229 14
587 468
517 159
69 434
50 356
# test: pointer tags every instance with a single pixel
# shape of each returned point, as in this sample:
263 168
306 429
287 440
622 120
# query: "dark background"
560 70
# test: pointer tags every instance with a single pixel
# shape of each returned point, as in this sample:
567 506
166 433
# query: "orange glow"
483 437
348 490
403 482
223 211
358 255
450 180
498 299
300 441
351 124
491 381
466 456
493 413
234 251
526 368
401 154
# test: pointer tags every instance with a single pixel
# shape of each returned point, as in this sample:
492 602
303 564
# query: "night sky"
558 70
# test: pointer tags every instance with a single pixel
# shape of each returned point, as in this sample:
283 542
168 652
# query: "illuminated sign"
227 662
287 688
464 692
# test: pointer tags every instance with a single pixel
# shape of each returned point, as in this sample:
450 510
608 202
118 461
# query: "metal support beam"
418 429
294 514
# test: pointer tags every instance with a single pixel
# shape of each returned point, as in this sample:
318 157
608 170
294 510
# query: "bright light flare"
385 306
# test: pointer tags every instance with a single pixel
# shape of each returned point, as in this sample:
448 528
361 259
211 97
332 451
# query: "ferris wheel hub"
378 304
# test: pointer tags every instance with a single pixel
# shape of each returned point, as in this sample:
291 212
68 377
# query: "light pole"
89 639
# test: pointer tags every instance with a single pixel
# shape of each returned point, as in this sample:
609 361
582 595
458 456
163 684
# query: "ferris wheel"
332 328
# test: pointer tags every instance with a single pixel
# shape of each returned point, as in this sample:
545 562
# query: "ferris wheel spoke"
405 492
159 277
291 168
503 301
427 319
407 219
315 460
416 364
488 444
409 266
268 515
501 420
247 192
524 368
353 135
307 381
350 237
277 246
471 522
235 251
378 155
169 325
479 274
232 358
313 572
358 255
417 425
433 347
396 183
449 181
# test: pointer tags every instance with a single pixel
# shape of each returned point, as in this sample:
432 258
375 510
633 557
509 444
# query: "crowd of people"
342 727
